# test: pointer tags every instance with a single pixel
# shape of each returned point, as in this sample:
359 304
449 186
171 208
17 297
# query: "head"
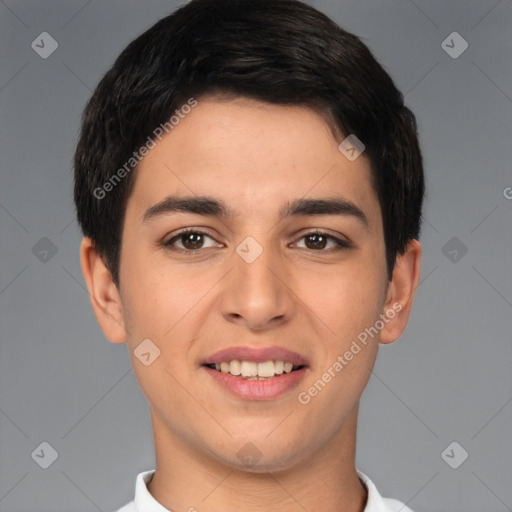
244 105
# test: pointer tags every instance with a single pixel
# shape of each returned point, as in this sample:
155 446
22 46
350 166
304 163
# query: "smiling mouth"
250 370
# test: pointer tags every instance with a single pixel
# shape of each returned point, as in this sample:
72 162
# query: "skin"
254 156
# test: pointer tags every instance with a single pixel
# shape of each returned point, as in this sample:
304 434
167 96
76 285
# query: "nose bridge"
254 273
255 292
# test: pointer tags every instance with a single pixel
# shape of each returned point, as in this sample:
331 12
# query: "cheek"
346 299
167 305
160 308
156 296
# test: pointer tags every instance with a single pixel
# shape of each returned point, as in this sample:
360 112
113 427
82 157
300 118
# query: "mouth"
251 370
256 373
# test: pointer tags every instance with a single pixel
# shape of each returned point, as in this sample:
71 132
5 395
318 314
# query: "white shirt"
144 502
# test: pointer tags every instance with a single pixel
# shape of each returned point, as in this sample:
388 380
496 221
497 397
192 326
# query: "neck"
187 478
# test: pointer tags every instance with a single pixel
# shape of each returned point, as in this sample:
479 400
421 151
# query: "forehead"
255 156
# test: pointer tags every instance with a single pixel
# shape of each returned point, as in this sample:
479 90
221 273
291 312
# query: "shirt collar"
144 502
375 502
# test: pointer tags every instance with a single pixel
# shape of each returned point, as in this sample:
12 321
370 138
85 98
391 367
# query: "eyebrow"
204 205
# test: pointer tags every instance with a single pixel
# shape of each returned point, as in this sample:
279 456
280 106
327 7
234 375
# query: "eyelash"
340 244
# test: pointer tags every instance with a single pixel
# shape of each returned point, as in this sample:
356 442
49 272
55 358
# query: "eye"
318 241
189 240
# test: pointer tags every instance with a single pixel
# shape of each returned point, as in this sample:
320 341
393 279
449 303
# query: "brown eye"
189 240
316 241
192 240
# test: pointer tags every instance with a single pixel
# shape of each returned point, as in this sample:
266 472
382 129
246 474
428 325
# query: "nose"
257 294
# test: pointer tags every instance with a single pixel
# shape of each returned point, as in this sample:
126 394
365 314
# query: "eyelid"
341 243
200 231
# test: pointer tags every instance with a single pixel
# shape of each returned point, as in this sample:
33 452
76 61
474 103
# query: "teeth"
234 367
249 369
255 371
266 369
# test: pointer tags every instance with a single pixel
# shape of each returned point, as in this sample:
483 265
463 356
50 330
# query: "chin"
261 456
263 465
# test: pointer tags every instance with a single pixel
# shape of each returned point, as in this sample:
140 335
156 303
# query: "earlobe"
401 292
105 298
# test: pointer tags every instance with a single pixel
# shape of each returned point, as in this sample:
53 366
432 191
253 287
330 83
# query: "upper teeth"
252 369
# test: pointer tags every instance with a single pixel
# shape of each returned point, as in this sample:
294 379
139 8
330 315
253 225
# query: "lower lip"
257 389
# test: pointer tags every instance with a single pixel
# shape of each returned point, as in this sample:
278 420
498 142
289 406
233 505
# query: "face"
284 261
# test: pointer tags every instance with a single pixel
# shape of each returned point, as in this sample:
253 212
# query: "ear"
105 298
401 291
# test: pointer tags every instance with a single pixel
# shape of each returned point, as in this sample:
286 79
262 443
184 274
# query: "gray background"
447 379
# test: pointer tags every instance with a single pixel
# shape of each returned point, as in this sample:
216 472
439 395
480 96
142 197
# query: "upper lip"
257 355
